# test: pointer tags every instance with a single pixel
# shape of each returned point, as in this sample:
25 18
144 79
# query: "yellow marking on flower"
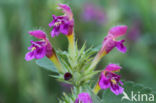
57 23
113 81
33 48
114 39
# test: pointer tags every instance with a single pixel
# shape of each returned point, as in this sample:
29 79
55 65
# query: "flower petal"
29 56
64 28
83 98
49 50
29 48
55 31
53 21
116 89
38 34
66 9
108 44
120 46
113 67
104 83
40 52
118 31
120 82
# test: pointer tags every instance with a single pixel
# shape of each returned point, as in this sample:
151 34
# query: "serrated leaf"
130 88
46 64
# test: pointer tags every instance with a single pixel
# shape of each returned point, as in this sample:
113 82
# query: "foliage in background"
24 82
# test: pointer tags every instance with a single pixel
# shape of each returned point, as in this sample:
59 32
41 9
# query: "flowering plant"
77 66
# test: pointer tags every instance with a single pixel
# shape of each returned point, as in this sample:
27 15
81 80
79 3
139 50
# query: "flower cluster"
77 67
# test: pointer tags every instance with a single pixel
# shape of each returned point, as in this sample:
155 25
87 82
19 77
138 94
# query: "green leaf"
46 64
130 88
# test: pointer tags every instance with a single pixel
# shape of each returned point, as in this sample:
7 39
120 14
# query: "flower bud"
83 98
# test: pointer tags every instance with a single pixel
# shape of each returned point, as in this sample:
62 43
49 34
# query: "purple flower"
109 41
108 79
83 98
92 12
62 24
39 49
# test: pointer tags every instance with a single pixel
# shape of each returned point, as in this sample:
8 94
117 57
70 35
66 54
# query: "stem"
96 88
56 62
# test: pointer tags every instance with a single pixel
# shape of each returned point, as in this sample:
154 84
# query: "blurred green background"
25 82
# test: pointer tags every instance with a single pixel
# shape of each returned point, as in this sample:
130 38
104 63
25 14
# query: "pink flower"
83 98
109 41
108 79
62 24
39 49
